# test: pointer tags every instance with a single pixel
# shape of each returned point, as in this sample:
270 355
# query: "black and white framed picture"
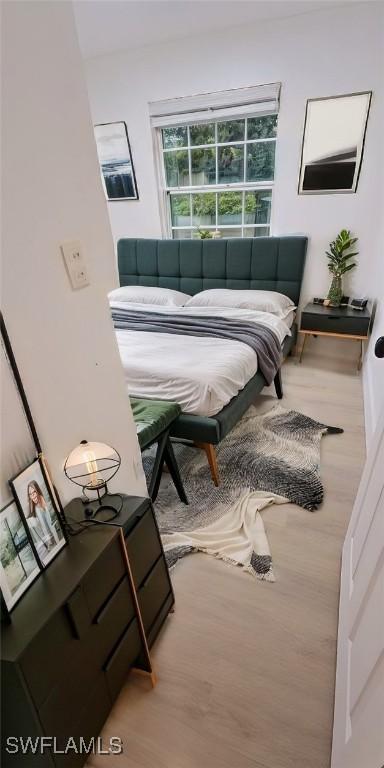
38 509
333 143
19 566
115 157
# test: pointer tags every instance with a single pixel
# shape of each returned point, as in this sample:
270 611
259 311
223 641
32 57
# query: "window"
219 176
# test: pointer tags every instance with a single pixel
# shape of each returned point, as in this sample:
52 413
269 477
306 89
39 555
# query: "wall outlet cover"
74 260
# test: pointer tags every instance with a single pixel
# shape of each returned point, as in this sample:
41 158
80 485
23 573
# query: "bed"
191 266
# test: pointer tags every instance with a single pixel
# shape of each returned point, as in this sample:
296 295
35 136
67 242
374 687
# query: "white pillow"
264 301
145 294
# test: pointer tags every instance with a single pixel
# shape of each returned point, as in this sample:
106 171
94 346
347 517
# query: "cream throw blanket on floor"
266 459
238 537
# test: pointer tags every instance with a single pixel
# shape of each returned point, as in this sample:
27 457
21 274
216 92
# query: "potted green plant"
339 262
204 234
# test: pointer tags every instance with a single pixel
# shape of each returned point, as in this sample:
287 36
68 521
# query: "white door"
358 729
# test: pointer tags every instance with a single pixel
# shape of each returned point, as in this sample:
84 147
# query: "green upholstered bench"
153 420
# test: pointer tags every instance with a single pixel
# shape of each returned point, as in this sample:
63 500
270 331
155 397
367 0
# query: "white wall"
315 54
63 340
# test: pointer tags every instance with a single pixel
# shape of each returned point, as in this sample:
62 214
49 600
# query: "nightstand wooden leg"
302 348
360 360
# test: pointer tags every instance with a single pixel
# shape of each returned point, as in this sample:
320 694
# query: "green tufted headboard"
190 266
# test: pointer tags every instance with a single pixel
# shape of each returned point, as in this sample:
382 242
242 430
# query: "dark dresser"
79 629
146 558
339 322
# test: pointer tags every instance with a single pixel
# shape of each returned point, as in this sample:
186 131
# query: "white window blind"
220 105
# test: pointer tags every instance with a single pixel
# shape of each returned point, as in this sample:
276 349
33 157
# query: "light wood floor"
246 668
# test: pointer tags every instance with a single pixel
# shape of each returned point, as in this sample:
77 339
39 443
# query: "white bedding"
202 374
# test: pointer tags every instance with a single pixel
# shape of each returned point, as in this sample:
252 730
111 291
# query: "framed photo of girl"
18 564
31 489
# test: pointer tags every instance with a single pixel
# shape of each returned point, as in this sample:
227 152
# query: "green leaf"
348 267
340 253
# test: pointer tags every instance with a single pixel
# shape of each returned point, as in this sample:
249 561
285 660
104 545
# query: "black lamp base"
101 490
96 506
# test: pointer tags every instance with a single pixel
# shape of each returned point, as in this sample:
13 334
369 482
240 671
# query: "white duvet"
201 374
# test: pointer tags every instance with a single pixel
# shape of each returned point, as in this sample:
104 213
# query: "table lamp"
92 465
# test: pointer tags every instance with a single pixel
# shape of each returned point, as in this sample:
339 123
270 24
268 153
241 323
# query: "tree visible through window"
219 176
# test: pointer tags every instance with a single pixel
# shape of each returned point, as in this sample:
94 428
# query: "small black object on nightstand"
358 303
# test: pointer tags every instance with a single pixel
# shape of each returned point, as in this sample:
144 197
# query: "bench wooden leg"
212 460
158 466
165 456
172 465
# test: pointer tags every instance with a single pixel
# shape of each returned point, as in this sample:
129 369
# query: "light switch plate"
75 264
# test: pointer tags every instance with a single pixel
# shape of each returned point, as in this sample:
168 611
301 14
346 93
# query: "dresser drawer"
71 693
55 647
334 323
87 724
153 593
143 547
103 577
122 658
159 620
112 619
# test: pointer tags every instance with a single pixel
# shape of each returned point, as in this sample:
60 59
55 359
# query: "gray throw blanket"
260 338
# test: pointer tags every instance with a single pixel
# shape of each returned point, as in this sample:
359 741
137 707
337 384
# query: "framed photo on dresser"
19 566
37 507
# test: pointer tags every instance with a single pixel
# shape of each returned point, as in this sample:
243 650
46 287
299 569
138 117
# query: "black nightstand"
340 322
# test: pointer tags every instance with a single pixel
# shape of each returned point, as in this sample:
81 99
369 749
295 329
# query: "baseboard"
369 416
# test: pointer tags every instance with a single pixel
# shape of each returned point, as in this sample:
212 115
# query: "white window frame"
214 108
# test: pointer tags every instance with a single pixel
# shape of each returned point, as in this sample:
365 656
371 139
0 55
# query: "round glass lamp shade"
92 465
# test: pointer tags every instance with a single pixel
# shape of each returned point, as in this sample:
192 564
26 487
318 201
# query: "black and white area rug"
273 458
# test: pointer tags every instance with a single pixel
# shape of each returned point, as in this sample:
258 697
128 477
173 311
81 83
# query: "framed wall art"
333 143
115 157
